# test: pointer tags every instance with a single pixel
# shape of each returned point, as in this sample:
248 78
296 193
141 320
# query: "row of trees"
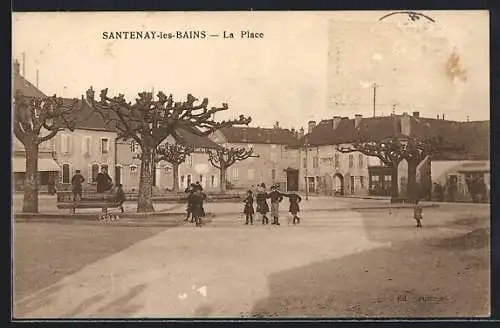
392 151
148 121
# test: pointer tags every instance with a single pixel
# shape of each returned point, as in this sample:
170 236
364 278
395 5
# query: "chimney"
405 124
357 120
310 126
416 114
336 121
17 68
301 133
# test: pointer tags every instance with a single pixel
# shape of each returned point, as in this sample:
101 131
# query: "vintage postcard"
251 164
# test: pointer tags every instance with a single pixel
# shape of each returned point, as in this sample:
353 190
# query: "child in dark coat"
294 206
417 213
262 206
197 211
248 210
120 197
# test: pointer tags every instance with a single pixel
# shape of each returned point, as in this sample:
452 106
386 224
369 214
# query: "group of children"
261 196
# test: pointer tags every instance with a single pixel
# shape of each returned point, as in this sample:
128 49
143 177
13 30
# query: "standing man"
76 183
276 197
103 181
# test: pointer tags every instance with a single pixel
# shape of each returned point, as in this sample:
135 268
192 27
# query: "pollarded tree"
175 154
415 151
37 120
390 151
223 158
150 121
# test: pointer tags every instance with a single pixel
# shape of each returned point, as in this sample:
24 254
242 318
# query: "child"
417 213
197 210
189 190
294 206
276 197
120 197
262 206
248 210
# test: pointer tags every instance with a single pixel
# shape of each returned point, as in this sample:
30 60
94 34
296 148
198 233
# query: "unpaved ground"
348 263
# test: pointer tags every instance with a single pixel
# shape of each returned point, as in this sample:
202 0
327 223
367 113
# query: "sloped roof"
26 87
188 138
255 135
371 128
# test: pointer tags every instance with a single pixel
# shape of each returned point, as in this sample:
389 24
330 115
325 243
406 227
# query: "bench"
88 200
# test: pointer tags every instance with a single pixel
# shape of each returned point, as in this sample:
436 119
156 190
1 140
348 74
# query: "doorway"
292 180
338 184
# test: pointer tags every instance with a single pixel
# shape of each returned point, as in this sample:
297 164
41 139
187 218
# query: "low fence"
88 196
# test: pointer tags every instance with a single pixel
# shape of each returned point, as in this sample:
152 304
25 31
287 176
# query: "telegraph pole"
307 163
374 97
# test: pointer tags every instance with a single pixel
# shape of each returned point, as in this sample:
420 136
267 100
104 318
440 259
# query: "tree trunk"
175 168
30 201
145 198
394 183
223 171
411 188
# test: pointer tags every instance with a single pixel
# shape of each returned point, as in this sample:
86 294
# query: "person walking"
120 197
189 190
76 183
276 197
248 209
197 210
417 213
294 206
103 181
262 206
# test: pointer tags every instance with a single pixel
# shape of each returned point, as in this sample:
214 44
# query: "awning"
44 165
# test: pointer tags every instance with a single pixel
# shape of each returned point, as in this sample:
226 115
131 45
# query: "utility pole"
307 163
374 97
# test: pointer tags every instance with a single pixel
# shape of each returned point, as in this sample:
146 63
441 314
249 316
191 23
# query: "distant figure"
438 189
103 181
294 206
276 197
120 197
417 213
198 185
197 210
262 206
76 183
190 189
248 209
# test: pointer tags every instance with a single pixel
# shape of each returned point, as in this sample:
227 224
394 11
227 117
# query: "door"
118 175
292 180
352 184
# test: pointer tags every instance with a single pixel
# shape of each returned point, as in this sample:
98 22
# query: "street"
344 263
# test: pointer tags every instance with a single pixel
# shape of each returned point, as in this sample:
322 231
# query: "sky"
308 65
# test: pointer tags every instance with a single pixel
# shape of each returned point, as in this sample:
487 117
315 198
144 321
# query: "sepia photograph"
252 164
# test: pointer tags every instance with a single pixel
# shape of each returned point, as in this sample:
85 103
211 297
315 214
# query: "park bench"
88 200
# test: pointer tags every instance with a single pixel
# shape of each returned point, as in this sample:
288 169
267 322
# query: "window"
236 174
337 161
273 174
118 174
104 146
305 162
188 179
66 143
95 171
212 181
360 160
201 178
351 160
190 161
134 147
251 174
273 157
362 182
65 173
87 142
315 162
182 181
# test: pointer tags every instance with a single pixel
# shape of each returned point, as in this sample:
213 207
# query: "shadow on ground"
431 277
